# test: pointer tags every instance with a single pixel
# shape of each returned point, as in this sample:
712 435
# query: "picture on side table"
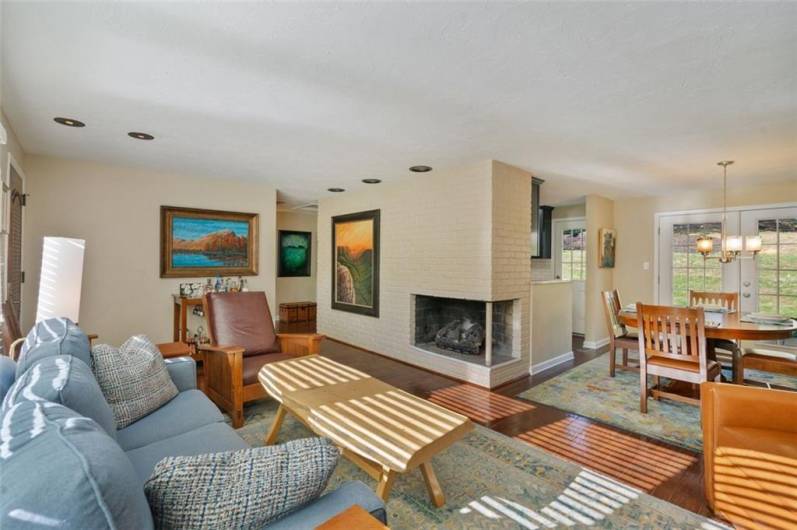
198 243
294 253
355 264
607 239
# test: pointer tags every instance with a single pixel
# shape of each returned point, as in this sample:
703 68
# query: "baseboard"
550 363
595 344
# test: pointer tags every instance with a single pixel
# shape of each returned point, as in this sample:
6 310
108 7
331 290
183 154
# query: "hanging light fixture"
731 247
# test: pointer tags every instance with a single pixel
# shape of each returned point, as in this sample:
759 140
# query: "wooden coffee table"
382 429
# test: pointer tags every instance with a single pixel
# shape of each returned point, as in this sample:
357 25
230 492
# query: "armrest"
300 343
226 350
182 370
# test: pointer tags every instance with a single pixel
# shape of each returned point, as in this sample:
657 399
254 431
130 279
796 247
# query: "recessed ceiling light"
140 136
336 190
420 169
372 181
69 122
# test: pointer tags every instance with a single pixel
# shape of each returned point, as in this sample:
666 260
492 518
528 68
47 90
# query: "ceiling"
617 99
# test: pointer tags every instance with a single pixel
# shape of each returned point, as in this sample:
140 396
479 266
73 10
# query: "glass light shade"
733 243
705 245
752 243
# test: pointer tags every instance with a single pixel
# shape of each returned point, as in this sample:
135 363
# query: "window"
573 257
777 266
689 270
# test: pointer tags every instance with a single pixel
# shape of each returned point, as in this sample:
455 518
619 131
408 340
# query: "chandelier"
731 247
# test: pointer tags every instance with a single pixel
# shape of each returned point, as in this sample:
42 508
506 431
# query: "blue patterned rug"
588 390
492 481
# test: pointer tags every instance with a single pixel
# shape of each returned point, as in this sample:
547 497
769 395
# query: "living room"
383 256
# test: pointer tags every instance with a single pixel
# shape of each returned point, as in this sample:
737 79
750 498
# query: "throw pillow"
239 489
54 336
65 380
133 378
60 470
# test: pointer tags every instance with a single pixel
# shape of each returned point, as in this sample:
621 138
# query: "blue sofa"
191 424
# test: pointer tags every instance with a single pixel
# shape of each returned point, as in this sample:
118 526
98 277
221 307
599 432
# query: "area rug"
492 481
588 390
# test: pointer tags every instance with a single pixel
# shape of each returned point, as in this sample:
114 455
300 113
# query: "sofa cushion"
239 489
65 380
61 469
311 515
8 373
242 319
133 378
188 411
211 438
54 336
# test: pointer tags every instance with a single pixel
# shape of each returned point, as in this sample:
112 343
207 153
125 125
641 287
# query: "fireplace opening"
470 330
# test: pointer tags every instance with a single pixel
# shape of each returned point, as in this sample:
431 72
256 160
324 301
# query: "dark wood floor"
662 470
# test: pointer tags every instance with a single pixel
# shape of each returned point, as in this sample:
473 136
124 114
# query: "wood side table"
353 518
181 306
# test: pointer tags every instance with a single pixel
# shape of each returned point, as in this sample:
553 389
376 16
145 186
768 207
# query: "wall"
437 238
117 211
634 221
552 326
301 289
599 214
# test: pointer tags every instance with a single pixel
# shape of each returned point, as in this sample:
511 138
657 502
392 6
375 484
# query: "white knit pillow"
133 378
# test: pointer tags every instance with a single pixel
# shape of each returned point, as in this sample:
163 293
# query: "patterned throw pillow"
239 489
133 378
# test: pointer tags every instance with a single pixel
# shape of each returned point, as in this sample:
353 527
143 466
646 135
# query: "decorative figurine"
242 282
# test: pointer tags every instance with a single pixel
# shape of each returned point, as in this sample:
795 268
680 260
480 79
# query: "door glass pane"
768 230
788 283
788 306
768 303
788 257
690 271
777 266
787 229
768 257
767 281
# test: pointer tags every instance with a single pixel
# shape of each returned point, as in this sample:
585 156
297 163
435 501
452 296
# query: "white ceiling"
619 99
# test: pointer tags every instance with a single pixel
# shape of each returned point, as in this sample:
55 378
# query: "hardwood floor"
662 470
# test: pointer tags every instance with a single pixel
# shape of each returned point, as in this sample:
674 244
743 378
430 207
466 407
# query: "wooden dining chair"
672 344
729 301
619 335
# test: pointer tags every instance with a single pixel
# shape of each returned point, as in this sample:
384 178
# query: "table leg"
432 485
271 437
738 371
385 483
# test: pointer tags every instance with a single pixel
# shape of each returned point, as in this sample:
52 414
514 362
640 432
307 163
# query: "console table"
181 306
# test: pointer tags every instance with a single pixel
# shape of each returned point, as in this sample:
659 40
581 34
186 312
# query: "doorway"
570 263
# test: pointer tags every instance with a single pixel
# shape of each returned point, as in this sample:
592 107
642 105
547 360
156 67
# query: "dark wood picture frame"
373 309
282 272
168 270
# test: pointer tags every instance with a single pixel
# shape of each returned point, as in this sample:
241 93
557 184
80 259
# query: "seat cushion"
239 489
211 438
188 411
54 336
62 470
772 442
254 363
68 381
242 319
313 514
133 378
687 366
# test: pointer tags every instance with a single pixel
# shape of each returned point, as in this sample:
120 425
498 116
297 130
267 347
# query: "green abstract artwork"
294 253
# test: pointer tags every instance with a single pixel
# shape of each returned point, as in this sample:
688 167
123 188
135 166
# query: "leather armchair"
243 339
750 454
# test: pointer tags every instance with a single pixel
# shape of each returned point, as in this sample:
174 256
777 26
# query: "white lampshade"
61 278
733 243
752 243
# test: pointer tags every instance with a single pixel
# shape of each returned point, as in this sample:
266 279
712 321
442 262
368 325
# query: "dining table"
726 330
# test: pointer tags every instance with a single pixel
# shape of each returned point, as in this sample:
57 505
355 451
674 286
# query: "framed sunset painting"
197 243
355 263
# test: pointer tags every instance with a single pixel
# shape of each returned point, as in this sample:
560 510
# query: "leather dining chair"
619 335
243 339
672 344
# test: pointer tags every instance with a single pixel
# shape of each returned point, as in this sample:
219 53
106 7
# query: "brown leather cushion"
687 366
254 363
766 441
242 319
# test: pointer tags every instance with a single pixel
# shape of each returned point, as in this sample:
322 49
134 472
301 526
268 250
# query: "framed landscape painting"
355 263
607 240
198 243
294 253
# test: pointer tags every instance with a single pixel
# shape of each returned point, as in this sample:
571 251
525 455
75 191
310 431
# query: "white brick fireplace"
457 235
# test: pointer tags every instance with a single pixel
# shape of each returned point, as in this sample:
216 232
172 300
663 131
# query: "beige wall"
569 211
635 224
552 325
299 289
117 211
599 214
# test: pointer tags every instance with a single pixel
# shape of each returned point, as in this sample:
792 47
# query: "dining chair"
672 344
728 301
619 335
770 358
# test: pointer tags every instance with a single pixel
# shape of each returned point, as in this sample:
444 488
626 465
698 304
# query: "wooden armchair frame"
223 369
